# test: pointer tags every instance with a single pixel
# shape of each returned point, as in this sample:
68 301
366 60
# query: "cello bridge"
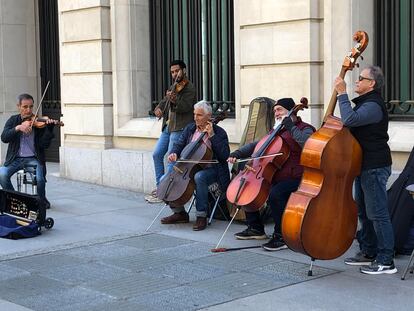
178 170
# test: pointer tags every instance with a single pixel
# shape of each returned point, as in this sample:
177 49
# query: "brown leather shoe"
176 218
200 224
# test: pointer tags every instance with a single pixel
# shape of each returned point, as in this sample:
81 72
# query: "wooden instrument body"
250 188
320 218
177 187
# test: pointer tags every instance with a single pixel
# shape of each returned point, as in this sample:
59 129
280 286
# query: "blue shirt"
27 148
368 113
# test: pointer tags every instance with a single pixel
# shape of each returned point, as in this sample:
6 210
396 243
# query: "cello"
177 187
251 187
320 218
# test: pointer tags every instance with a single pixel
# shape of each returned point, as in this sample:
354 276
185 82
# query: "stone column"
280 53
86 87
18 57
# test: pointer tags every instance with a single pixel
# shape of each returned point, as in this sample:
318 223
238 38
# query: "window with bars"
201 33
394 26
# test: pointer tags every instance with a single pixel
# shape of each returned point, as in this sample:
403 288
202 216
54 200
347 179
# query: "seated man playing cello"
216 140
285 181
27 145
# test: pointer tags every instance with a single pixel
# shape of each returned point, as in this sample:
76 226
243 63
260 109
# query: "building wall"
283 48
18 56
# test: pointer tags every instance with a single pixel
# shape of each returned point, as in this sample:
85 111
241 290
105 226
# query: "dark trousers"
278 197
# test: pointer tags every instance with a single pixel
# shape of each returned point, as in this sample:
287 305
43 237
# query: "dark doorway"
49 69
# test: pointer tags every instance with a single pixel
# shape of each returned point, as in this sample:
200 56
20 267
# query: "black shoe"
275 243
377 268
360 259
251 234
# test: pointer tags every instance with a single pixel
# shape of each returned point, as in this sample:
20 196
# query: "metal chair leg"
191 203
213 211
407 268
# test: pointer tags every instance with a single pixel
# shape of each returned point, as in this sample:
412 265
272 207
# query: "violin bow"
261 157
40 103
197 161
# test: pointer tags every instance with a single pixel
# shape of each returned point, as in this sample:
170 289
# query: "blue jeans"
376 236
278 197
163 146
6 172
203 179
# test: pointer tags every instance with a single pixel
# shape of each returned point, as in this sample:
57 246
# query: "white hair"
202 104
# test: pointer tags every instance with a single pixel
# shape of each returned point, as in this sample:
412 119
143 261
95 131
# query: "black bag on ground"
12 228
401 206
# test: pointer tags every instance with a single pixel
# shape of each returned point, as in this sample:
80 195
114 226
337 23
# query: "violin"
178 186
250 188
174 89
43 121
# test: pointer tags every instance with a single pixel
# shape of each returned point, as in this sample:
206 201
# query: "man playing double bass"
217 140
294 132
368 122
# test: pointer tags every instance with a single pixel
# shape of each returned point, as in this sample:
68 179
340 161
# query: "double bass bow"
177 187
251 187
320 218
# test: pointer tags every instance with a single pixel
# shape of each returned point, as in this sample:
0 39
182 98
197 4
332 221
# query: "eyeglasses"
360 78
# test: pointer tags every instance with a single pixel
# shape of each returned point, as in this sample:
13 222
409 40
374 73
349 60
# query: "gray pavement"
98 257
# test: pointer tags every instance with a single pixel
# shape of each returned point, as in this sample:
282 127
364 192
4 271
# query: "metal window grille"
201 33
394 26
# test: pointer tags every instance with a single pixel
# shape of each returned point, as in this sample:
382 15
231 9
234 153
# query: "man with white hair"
216 139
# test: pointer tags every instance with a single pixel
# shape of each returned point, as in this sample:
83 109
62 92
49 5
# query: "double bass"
177 187
320 218
250 188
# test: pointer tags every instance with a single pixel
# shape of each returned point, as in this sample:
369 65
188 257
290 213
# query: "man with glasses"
26 145
368 122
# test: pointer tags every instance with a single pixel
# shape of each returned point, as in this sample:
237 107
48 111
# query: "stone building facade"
283 48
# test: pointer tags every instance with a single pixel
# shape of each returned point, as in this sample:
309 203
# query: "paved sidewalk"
98 257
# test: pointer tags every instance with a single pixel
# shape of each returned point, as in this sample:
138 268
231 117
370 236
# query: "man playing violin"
295 132
217 140
27 145
176 111
368 122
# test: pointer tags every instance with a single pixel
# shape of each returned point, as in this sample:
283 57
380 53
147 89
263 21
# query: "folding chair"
27 176
410 188
217 195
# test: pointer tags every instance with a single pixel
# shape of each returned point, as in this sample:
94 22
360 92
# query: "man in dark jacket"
368 122
176 111
26 145
217 140
295 132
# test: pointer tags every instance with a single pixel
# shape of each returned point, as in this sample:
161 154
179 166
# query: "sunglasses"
360 78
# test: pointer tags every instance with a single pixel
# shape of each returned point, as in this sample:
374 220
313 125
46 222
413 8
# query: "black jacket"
373 137
42 139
